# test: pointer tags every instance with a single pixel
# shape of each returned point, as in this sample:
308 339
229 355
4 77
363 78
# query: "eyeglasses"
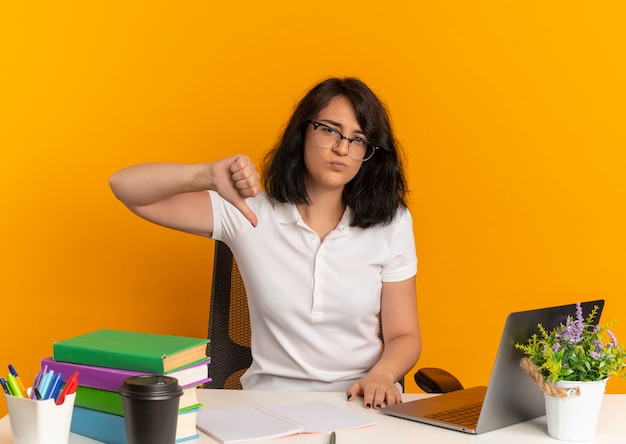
327 137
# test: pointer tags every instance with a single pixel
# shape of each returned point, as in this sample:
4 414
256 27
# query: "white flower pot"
574 418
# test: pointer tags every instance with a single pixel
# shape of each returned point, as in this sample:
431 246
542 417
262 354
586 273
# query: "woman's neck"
323 214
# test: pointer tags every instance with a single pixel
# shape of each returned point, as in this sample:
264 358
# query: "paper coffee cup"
150 408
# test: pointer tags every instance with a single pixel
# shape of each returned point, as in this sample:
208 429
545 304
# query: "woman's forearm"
175 195
399 356
147 183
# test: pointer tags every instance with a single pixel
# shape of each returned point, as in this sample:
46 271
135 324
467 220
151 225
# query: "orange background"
511 116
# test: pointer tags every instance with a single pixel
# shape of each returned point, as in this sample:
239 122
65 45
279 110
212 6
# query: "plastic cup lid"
151 386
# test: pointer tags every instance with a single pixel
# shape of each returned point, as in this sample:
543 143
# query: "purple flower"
577 348
597 344
595 354
579 313
572 331
598 349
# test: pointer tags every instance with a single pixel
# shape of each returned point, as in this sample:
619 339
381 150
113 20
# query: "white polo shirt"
313 304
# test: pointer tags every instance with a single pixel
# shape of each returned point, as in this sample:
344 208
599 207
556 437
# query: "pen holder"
40 422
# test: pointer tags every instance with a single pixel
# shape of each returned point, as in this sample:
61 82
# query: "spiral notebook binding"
278 416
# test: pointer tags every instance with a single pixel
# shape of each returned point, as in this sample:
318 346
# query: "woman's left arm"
403 345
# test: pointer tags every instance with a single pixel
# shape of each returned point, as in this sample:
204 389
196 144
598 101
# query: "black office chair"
229 331
229 323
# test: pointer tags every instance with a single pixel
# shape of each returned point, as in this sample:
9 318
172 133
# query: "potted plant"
571 364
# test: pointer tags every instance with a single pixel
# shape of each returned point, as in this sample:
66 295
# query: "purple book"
111 379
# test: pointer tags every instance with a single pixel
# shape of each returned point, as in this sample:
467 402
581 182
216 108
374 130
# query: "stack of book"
104 358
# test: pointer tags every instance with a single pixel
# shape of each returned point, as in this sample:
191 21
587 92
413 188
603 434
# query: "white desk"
611 426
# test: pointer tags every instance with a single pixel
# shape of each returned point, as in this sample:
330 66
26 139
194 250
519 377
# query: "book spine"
111 379
188 438
142 352
100 400
111 401
98 425
103 378
111 429
64 352
190 408
117 360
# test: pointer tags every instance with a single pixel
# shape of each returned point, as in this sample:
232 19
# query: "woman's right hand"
235 179
175 195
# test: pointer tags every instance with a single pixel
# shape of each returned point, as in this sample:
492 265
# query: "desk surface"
389 429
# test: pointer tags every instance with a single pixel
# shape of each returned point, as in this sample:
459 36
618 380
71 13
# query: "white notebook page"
245 423
252 422
321 417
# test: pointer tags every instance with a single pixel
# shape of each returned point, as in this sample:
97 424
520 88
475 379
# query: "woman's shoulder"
262 200
402 211
266 206
256 201
402 216
401 222
262 204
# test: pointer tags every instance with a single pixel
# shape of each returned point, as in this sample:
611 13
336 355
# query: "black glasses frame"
316 125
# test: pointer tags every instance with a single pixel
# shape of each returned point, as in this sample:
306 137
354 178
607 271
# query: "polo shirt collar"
287 213
344 223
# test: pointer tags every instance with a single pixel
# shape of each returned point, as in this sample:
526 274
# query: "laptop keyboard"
466 416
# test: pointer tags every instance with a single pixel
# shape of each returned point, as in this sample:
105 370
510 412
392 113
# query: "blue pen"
48 388
4 386
39 377
55 386
44 386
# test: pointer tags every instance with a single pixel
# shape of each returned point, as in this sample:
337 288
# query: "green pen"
332 438
13 386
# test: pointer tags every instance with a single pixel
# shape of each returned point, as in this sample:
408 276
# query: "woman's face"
331 169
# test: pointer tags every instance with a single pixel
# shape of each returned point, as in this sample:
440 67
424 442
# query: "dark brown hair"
378 188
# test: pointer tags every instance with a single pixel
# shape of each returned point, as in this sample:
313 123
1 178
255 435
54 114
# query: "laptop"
510 397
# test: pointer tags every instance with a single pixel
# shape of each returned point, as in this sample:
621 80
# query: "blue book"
110 428
98 425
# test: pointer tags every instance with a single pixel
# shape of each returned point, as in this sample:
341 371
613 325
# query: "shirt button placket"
318 281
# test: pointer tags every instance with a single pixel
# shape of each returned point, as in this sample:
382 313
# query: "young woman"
322 251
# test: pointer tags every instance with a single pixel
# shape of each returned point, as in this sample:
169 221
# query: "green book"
141 352
111 402
101 400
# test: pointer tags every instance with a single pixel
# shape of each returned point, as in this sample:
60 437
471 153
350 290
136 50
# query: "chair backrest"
229 323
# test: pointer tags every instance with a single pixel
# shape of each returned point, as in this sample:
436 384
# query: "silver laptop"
511 396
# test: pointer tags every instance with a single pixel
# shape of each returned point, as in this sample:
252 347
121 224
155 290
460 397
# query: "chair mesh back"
229 323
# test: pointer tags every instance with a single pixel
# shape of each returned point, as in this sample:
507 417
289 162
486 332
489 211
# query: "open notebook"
255 421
